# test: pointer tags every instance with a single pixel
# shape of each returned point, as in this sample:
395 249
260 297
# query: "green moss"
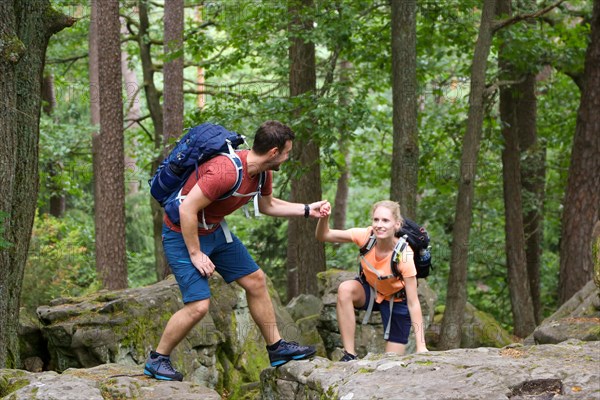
593 333
365 370
109 390
13 382
424 362
11 48
330 394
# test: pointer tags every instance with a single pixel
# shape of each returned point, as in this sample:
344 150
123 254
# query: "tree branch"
490 89
133 121
518 18
66 60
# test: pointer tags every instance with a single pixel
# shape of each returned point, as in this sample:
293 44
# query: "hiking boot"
348 357
159 367
288 351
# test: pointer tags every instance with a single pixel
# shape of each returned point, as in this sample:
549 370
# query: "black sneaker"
288 351
159 367
348 357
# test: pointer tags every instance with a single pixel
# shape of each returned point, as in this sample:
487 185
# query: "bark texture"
173 70
405 155
582 198
24 33
111 257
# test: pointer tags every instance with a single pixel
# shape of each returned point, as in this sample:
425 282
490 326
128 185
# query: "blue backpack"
198 145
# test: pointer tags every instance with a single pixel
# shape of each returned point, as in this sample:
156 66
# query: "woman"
376 278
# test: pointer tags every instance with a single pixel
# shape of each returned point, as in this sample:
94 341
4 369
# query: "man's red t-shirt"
216 177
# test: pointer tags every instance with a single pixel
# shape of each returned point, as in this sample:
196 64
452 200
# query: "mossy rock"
12 380
479 329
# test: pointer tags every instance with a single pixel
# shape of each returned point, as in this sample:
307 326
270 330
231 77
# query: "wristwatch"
306 211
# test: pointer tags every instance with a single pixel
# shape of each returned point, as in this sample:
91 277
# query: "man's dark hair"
271 134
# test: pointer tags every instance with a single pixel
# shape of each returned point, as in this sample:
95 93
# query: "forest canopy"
236 72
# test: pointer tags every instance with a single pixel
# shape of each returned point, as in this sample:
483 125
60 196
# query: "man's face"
280 156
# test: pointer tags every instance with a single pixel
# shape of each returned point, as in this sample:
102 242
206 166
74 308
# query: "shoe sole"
151 374
279 363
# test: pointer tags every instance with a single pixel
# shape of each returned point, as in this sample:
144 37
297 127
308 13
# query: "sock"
274 345
156 354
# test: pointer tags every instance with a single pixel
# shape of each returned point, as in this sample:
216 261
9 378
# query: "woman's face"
384 223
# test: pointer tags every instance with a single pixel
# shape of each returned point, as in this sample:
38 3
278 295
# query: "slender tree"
533 176
305 256
456 299
24 34
173 75
111 257
516 261
582 197
405 156
343 184
132 114
57 200
156 115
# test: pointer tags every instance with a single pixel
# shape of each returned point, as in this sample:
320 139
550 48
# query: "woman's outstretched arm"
324 234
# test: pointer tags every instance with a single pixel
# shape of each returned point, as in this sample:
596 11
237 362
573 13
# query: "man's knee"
197 310
255 282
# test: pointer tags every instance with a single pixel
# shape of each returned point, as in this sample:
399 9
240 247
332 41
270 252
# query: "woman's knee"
347 291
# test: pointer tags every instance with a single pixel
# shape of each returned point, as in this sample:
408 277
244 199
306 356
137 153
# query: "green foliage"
61 259
242 47
140 243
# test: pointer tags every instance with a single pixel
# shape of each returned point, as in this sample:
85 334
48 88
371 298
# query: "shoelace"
167 365
294 344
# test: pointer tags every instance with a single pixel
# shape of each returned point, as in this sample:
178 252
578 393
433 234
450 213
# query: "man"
201 245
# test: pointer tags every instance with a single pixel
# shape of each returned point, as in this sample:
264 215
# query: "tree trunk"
456 299
173 71
111 257
516 260
533 180
343 186
25 30
405 155
153 103
582 198
173 74
133 112
305 255
57 200
94 89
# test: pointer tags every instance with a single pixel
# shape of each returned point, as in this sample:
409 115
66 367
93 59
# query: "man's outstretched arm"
275 207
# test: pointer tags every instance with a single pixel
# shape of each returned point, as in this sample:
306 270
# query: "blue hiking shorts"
232 261
401 323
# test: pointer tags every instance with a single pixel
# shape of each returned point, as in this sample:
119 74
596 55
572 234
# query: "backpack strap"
397 252
370 306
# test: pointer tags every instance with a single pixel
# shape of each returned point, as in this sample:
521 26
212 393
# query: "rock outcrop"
568 371
479 329
108 381
225 351
578 318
